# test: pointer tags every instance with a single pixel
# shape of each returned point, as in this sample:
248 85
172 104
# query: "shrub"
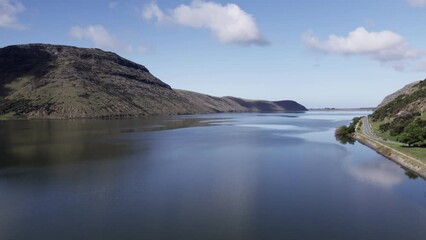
413 134
384 127
344 134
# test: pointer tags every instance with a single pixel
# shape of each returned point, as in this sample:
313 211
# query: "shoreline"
341 109
392 154
128 116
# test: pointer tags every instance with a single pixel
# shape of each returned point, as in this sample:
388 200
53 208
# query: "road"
366 129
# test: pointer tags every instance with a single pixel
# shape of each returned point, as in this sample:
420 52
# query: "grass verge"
415 152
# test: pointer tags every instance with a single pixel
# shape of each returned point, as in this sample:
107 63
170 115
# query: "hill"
233 104
405 90
54 81
403 116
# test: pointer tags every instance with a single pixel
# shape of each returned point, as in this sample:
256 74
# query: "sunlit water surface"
221 176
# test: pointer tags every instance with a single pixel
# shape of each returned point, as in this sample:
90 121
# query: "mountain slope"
405 90
403 118
409 101
233 104
52 81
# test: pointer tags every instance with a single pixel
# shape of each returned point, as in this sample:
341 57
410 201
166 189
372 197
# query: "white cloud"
228 23
101 38
151 11
417 3
8 11
385 46
95 33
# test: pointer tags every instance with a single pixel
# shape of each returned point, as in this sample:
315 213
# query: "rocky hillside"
410 100
405 90
404 116
51 81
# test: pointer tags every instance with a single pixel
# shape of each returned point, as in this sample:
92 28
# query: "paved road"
366 129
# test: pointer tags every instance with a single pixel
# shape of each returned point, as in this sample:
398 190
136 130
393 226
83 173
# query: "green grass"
384 135
415 152
19 83
8 116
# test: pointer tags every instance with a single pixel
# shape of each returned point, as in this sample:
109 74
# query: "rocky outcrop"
53 81
405 90
408 101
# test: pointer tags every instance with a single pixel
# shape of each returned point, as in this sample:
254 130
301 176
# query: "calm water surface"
223 176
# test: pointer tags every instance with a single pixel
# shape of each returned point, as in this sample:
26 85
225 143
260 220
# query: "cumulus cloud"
101 38
228 23
385 46
152 11
95 33
9 9
417 3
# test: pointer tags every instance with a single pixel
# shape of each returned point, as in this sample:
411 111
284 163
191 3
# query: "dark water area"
219 176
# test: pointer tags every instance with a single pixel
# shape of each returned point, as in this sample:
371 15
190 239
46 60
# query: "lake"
216 176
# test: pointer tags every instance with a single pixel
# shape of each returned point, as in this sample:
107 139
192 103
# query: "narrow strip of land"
366 129
367 137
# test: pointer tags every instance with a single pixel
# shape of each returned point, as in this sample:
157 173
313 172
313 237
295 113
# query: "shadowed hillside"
51 81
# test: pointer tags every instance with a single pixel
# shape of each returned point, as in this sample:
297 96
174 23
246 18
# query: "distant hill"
53 81
402 114
232 104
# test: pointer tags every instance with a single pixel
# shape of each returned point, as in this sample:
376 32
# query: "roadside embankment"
402 159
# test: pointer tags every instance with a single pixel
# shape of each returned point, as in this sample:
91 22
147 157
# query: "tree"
343 130
384 127
412 134
344 135
351 128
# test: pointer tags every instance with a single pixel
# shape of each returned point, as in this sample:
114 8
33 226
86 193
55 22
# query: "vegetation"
396 126
409 129
53 81
403 118
414 134
400 103
415 152
345 134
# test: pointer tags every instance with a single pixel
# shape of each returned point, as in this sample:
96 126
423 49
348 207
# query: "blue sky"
328 53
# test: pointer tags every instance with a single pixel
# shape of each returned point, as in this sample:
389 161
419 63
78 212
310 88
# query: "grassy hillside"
52 81
403 118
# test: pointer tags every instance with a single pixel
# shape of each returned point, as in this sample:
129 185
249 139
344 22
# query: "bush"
344 134
343 130
413 134
384 127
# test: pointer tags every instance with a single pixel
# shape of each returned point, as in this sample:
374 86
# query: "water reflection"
49 142
214 180
377 172
276 127
345 139
410 174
